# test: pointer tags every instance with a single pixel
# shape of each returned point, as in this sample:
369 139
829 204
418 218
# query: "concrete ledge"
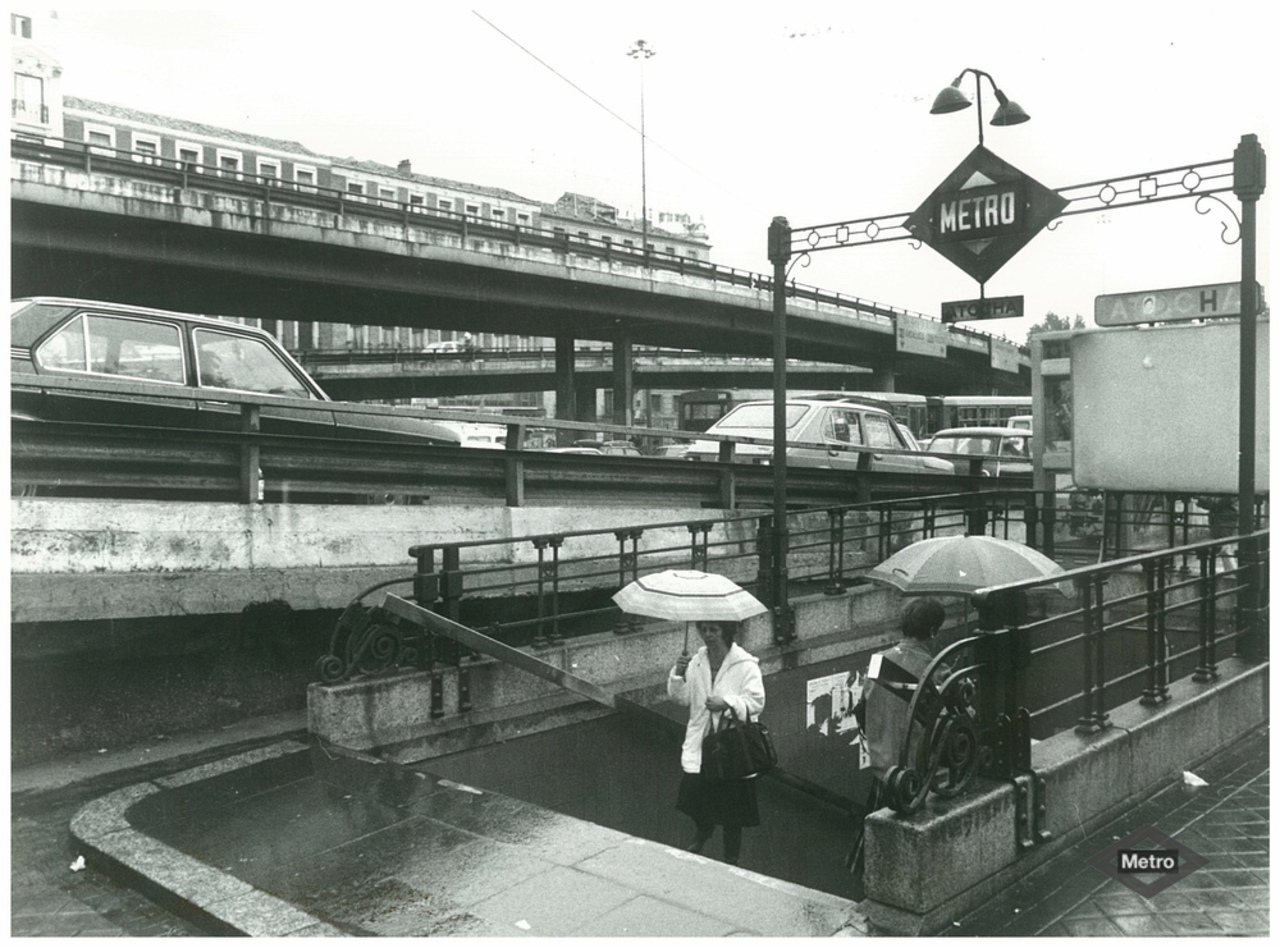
392 712
220 900
929 869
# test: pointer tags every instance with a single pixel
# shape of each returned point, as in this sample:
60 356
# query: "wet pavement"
285 837
296 839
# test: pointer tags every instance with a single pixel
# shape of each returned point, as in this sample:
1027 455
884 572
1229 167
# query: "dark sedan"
134 357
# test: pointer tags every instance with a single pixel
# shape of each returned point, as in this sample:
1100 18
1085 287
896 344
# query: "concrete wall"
937 865
90 559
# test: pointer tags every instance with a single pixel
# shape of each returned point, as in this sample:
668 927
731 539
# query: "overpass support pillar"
623 379
882 378
566 387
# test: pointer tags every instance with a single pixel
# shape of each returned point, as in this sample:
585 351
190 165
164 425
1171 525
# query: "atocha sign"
984 213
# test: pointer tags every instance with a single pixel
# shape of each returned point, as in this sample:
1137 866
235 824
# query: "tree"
1052 322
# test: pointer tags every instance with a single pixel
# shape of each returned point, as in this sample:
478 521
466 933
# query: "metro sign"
983 213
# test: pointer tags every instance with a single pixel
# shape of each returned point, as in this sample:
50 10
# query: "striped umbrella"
688 595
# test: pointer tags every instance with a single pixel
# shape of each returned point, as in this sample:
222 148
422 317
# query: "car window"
1013 447
842 426
111 345
759 416
230 360
880 433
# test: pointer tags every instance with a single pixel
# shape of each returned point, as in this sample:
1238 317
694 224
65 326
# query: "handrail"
271 189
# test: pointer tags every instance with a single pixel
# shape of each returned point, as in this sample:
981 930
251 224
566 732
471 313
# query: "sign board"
995 307
1158 410
983 213
1160 306
1004 356
921 336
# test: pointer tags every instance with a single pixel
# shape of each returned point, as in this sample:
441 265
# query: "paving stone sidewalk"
1227 821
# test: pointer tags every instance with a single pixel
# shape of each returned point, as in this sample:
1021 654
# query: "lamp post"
642 51
951 99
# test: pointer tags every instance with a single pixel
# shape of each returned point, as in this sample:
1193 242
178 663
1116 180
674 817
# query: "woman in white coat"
720 676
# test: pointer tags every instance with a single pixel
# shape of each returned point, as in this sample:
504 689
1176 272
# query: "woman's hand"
682 663
716 703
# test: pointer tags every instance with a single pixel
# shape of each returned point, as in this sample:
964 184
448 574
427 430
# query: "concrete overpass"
110 228
362 376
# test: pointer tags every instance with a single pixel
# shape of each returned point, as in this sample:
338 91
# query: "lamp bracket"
1226 225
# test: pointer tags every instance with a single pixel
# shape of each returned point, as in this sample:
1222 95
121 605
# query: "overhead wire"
710 180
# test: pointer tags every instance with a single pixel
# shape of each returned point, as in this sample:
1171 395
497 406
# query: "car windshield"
964 445
758 418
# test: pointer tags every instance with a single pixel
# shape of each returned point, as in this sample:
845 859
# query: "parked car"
135 355
575 450
672 451
1008 449
830 426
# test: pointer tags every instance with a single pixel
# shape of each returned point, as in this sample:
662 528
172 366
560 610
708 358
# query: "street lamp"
951 99
642 51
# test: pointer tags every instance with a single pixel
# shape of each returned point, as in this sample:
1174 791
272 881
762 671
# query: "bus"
975 411
699 410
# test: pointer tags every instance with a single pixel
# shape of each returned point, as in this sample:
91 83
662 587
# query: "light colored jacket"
738 682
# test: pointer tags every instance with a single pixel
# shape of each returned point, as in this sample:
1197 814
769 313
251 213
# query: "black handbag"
738 749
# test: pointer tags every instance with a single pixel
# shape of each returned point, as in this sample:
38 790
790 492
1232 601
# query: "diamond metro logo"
1148 861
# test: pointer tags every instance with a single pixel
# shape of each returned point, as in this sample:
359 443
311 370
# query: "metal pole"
1249 180
642 51
780 256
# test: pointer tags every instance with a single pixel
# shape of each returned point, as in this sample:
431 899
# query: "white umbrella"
688 595
958 565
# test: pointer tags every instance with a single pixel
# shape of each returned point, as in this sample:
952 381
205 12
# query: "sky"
818 112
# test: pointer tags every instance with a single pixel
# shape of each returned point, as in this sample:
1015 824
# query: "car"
1008 449
672 451
443 347
575 450
825 428
135 355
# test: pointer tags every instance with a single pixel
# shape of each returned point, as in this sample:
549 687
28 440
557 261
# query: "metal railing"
252 448
556 586
1064 652
270 189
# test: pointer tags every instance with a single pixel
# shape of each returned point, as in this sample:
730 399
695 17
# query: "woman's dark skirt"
724 802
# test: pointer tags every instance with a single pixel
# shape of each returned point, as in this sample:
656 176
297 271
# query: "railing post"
1207 669
251 486
628 567
1094 717
1155 575
835 551
698 554
548 571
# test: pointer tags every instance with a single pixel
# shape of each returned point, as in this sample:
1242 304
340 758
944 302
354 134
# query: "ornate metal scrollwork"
804 260
944 748
1226 226
866 230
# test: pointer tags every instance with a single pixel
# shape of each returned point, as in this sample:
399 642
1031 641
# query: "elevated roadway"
108 227
383 374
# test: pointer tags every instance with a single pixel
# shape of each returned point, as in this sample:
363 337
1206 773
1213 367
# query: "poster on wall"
831 700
